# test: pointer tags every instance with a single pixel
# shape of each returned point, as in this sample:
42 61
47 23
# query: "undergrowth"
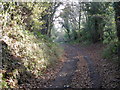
25 55
110 52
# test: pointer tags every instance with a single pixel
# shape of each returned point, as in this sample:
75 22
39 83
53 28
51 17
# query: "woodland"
59 44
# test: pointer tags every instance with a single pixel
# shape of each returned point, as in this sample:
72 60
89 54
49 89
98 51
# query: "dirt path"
64 77
94 75
93 71
80 67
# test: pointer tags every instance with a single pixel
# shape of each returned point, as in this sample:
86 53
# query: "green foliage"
3 84
35 54
111 51
96 20
100 26
26 52
110 29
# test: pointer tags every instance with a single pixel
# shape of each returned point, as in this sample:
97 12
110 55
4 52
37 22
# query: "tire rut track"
64 77
95 79
94 75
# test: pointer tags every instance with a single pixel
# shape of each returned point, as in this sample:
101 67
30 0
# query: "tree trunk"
80 15
80 10
49 26
96 34
51 16
117 19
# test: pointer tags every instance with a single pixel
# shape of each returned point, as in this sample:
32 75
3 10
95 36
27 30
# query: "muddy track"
94 75
64 77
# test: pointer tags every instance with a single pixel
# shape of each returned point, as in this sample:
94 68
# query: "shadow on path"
94 75
64 77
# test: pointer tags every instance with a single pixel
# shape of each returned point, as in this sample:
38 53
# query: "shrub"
111 51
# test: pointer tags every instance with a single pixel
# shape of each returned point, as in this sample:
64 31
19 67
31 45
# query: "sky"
56 22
